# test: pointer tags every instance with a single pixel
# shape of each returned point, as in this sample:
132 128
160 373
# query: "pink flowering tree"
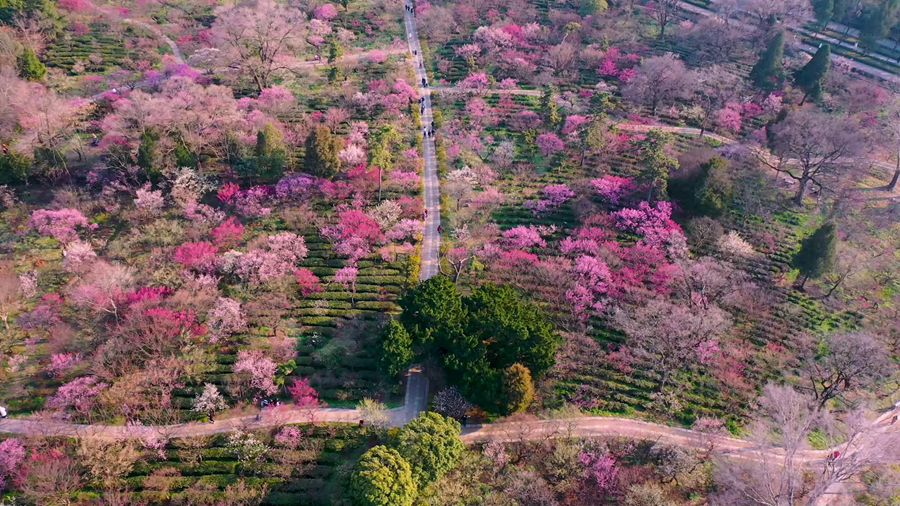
306 398
12 455
78 257
524 237
196 255
61 363
600 475
346 276
325 12
549 144
260 369
592 279
60 224
652 222
307 282
225 319
474 81
354 235
613 188
552 197
228 233
78 395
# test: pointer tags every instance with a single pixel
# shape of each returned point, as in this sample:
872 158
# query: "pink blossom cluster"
12 455
79 394
549 143
592 281
613 188
59 224
652 222
307 281
553 196
405 229
303 394
523 237
354 235
60 363
617 65
260 368
196 255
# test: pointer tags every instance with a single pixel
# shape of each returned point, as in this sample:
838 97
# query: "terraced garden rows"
65 53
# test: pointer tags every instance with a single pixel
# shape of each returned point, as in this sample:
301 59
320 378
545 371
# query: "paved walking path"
160 35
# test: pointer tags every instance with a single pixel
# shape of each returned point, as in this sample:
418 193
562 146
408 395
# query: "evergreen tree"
270 152
396 348
382 478
768 73
549 107
714 189
14 167
321 153
817 253
824 10
431 445
148 153
335 50
29 67
518 388
592 7
183 156
654 161
433 308
876 22
811 77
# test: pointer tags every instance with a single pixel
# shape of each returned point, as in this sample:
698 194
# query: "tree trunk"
801 192
893 183
802 285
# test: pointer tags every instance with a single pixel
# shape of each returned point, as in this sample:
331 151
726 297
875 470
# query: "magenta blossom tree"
613 188
307 282
552 196
60 224
549 143
196 255
79 395
12 454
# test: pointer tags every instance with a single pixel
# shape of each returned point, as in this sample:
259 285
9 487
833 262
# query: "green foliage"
322 149
592 7
183 156
811 77
768 73
431 445
382 477
335 50
655 162
876 22
148 153
824 10
29 67
479 336
396 348
549 107
817 252
15 167
433 307
270 153
708 192
518 389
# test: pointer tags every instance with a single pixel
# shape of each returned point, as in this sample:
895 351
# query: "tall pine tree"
768 73
29 66
811 77
876 22
321 153
817 253
824 10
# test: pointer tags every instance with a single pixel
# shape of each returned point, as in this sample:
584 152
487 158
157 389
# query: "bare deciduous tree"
659 79
844 362
821 146
779 471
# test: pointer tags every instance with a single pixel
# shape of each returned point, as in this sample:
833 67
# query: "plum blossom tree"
78 257
549 143
553 196
257 40
209 400
354 235
228 233
196 255
659 79
524 237
592 279
12 454
671 337
613 188
261 370
103 289
225 319
346 276
79 395
307 282
60 224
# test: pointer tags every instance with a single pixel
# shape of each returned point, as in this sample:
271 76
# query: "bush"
14 168
382 478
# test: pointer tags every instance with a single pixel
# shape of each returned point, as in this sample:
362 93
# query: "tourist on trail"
3 413
439 229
